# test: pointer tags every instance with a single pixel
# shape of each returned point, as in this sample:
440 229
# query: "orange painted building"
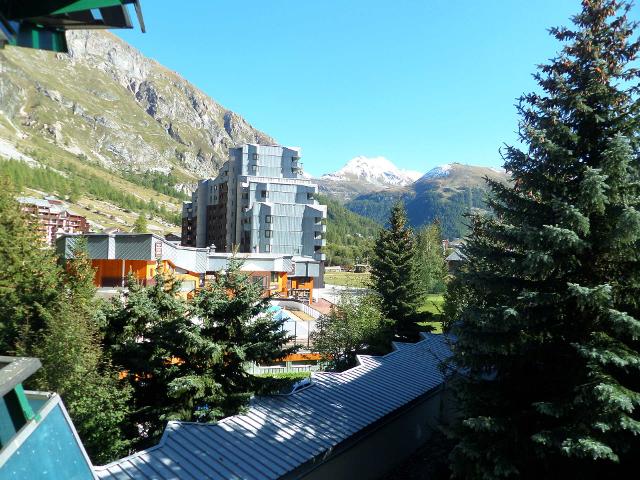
117 256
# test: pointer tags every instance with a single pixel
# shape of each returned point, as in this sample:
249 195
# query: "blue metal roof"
280 433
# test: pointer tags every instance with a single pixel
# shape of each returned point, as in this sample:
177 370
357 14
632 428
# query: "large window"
268 233
268 219
264 194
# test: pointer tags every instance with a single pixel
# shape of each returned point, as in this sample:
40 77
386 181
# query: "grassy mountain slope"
116 134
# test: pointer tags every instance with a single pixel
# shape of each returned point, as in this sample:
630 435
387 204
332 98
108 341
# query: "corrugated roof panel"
278 434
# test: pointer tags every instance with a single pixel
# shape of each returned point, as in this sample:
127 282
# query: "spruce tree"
47 311
235 319
191 364
393 273
549 315
75 366
157 315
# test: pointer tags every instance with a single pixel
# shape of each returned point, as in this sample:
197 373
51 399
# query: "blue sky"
421 82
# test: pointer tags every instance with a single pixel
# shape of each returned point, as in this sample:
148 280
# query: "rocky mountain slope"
445 193
107 104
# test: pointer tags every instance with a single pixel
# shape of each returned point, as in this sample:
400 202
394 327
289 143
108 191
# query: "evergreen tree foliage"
548 334
191 362
431 269
75 367
47 312
29 277
393 273
355 325
349 236
140 225
235 318
147 332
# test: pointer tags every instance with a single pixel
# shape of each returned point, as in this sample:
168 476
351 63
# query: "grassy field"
348 279
433 304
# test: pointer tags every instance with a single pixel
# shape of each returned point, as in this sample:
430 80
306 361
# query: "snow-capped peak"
376 170
437 172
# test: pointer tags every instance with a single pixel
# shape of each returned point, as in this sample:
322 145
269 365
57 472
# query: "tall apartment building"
52 218
261 202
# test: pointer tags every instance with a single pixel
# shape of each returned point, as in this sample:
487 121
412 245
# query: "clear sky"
421 82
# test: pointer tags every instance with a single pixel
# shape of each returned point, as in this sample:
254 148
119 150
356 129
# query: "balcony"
319 242
318 227
36 433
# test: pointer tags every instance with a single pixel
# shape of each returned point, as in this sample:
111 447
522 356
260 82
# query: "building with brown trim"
53 219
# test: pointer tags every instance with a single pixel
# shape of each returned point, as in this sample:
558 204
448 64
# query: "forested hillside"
349 235
446 196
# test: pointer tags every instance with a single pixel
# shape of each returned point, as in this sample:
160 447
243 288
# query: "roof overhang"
41 23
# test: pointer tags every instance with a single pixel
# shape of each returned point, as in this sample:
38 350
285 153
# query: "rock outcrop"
107 103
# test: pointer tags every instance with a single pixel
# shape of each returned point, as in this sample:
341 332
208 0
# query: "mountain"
444 193
363 175
109 105
116 135
378 171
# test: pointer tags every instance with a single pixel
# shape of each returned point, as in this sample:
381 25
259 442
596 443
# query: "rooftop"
281 433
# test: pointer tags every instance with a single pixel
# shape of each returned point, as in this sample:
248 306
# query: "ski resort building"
52 218
117 256
260 202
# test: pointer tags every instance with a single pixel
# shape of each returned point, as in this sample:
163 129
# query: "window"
309 196
264 194
254 168
255 156
268 233
267 248
274 277
268 219
245 195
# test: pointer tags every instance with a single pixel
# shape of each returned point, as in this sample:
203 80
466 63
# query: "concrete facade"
259 202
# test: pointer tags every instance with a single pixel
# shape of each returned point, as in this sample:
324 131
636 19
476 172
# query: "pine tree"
158 315
140 225
236 321
548 335
393 273
29 276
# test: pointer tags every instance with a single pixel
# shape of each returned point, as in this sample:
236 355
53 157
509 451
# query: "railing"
261 370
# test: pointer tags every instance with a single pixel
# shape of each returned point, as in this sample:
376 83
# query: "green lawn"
348 279
433 304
